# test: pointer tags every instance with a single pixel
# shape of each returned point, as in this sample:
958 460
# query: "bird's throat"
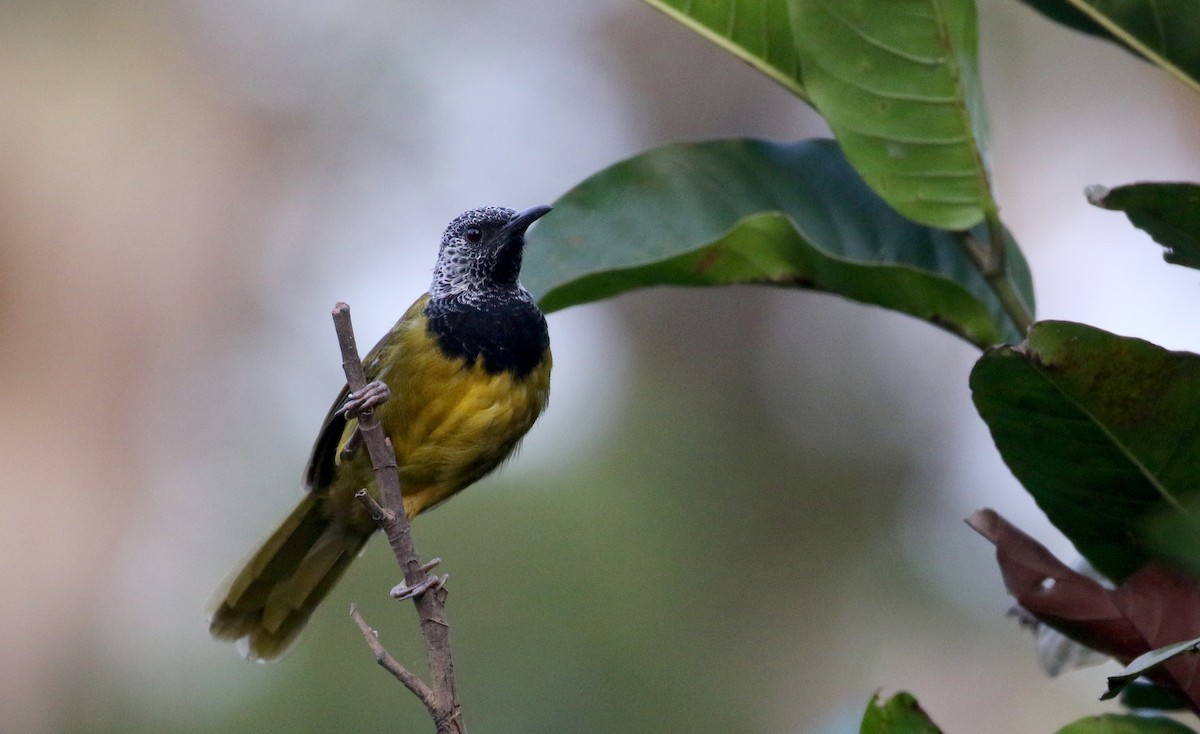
508 333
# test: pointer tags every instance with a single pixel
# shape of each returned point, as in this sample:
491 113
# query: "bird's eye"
474 235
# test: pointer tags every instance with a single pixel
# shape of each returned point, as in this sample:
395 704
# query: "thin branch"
389 663
427 592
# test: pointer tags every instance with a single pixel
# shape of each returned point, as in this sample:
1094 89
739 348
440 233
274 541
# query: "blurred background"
742 512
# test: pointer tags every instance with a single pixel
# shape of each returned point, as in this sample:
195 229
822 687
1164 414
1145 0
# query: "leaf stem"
991 259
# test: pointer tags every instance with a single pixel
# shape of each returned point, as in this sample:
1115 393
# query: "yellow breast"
450 423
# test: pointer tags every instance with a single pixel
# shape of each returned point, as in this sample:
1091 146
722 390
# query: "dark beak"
521 221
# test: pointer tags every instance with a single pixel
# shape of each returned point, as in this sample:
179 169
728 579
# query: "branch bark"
428 593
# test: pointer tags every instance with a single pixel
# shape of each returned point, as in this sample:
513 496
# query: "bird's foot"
371 396
429 583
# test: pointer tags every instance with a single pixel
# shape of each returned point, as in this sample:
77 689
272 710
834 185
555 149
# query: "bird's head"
481 252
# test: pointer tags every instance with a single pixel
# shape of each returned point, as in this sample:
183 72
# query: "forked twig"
427 592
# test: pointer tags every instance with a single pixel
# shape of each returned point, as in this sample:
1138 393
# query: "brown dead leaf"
1155 607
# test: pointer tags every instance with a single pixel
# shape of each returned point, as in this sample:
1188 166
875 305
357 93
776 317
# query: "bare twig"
389 663
428 593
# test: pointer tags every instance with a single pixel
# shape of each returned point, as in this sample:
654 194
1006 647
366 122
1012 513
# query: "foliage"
900 714
1163 32
1124 414
1100 429
792 215
1116 724
1140 621
1169 212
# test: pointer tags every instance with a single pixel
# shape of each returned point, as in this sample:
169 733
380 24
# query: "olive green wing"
336 429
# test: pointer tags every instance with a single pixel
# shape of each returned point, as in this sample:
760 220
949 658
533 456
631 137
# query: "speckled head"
481 252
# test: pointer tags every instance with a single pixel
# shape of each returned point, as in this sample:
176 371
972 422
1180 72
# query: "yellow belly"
449 424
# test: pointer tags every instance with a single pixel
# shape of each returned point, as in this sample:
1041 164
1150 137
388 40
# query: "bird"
465 372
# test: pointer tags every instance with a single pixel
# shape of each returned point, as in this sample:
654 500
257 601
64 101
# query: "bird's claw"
371 396
429 583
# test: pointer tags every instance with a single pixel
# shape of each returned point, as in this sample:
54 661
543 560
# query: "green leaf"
1163 32
1147 696
1168 212
900 714
1140 665
745 211
1102 430
1062 11
898 82
1175 537
1124 724
756 31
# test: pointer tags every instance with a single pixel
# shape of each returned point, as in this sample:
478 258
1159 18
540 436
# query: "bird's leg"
373 394
404 591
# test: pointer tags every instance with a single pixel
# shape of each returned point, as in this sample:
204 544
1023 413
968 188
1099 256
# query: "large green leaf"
898 82
746 211
1162 31
900 714
1176 538
756 31
1168 212
1124 724
1102 430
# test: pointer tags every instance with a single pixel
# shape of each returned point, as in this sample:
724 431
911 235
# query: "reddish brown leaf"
1164 606
1155 607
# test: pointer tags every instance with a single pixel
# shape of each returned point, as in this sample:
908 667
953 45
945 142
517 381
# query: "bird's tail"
265 605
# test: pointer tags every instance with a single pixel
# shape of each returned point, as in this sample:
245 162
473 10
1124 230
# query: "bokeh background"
742 512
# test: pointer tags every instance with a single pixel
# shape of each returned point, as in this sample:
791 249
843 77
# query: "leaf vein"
878 43
950 100
953 140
